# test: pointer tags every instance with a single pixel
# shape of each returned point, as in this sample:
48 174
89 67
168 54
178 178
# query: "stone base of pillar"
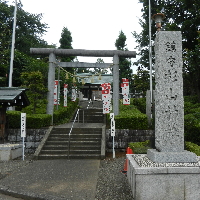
153 181
171 157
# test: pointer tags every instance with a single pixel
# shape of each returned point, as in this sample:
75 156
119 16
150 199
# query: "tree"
66 43
181 15
141 81
29 31
34 81
125 70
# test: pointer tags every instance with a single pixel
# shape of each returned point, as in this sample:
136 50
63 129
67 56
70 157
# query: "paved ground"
53 180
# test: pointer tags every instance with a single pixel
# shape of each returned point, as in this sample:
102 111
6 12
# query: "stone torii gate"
52 52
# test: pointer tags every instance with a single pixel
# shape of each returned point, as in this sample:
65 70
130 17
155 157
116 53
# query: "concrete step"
75 136
62 147
73 139
65 156
75 143
76 131
79 151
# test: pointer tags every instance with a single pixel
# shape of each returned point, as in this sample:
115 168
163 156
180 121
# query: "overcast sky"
94 24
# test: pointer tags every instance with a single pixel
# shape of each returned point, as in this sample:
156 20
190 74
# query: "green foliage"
32 121
29 31
192 127
130 118
193 148
140 104
140 147
66 43
64 114
125 70
182 15
37 90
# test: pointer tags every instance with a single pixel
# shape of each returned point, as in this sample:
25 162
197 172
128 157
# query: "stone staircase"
84 143
86 139
90 116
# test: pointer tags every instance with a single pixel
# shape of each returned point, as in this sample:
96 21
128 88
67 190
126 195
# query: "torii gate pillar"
116 84
51 82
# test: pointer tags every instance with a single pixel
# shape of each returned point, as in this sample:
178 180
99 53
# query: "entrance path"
53 180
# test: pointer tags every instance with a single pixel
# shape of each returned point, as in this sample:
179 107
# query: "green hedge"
193 148
129 118
140 104
140 147
192 127
63 115
32 121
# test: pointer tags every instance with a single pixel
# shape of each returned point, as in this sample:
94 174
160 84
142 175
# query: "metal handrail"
89 103
71 131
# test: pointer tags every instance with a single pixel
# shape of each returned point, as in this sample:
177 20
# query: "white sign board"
23 124
65 95
112 118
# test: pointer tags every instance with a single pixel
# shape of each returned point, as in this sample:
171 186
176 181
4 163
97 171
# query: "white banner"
65 95
23 124
56 93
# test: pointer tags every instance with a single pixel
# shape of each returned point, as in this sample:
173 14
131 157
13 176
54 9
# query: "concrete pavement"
53 180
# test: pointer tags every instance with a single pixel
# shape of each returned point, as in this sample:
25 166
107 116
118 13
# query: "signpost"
23 130
112 117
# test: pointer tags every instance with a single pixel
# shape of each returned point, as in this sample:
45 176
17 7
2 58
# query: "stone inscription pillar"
169 104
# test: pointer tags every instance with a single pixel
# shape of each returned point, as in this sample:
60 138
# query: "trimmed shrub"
140 104
129 118
192 127
32 121
140 147
63 115
193 148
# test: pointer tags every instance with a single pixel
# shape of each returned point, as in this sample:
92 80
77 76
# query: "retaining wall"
32 139
125 136
122 138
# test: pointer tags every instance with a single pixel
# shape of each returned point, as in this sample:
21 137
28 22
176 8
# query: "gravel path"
112 183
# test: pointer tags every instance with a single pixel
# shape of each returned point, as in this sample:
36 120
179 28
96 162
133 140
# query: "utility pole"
150 55
13 46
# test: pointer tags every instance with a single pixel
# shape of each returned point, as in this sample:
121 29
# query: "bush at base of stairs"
32 121
62 115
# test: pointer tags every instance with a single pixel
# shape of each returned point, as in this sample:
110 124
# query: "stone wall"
122 138
125 136
32 139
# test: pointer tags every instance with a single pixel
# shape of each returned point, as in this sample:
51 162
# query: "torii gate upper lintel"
52 52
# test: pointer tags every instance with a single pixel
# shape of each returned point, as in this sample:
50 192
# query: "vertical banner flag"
23 124
56 93
125 91
65 94
73 93
106 97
